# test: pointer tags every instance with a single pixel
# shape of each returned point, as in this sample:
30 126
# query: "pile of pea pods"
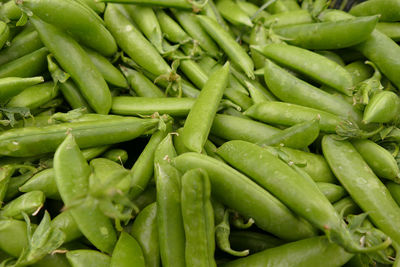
148 133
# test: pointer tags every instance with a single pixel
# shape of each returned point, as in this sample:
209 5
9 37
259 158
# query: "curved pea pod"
258 37
29 203
6 171
294 17
66 223
42 181
298 136
382 163
394 190
362 185
234 51
14 184
28 65
359 71
9 11
198 218
171 29
332 56
313 65
231 188
13 236
117 155
142 86
182 4
332 192
290 114
88 258
134 43
68 52
126 252
4 33
327 35
253 241
31 141
80 22
388 10
200 118
308 252
390 29
110 73
383 107
145 231
233 13
346 206
171 232
98 7
73 96
11 86
72 178
291 89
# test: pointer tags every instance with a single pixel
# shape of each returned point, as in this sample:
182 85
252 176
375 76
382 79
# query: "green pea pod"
290 114
200 118
346 206
308 252
251 9
171 29
144 165
394 190
387 10
98 7
359 71
80 22
134 43
145 231
117 155
68 52
66 223
31 141
311 64
146 198
198 218
4 33
73 184
326 35
29 65
171 232
331 191
308 201
6 171
178 143
183 4
73 96
110 73
43 181
281 84
13 236
362 185
233 13
88 258
127 251
234 51
231 188
390 29
294 17
12 86
142 86
383 107
298 136
258 37
9 11
14 185
382 163
50 260
29 203
253 241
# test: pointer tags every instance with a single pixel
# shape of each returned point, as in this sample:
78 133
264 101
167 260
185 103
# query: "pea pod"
171 29
4 33
390 29
117 155
359 71
14 184
194 135
346 206
354 174
332 56
66 223
87 258
233 13
387 10
127 251
73 96
68 52
98 7
331 191
326 35
293 17
198 218
14 236
6 171
253 241
383 107
142 86
43 181
10 11
73 184
183 4
231 188
12 86
394 190
311 64
29 203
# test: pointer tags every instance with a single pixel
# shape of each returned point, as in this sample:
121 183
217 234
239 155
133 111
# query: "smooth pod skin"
171 29
12 86
233 13
332 192
66 223
73 96
71 17
127 251
117 155
132 41
200 118
313 65
4 33
34 96
29 203
142 86
388 10
291 89
98 7
383 107
293 17
13 236
73 184
29 65
390 29
145 231
183 4
394 190
382 163
198 219
308 252
169 216
43 181
328 35
234 51
346 206
362 185
88 258
238 192
74 60
33 140
130 105
6 171
253 241
290 114
9 11
258 37
236 128
359 71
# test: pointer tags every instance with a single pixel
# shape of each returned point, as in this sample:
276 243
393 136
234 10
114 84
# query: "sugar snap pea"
388 10
391 29
233 13
126 251
383 107
253 241
331 191
13 235
12 86
29 203
87 258
66 223
43 181
142 86
183 4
